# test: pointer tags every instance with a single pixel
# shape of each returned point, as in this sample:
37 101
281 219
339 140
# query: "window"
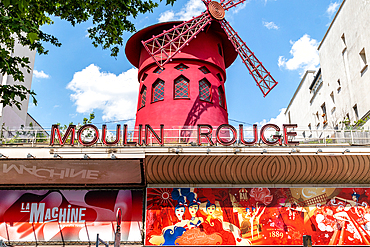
219 49
323 108
363 60
219 76
339 86
344 45
142 96
158 90
332 96
181 88
144 77
158 70
356 111
205 90
204 70
221 97
181 67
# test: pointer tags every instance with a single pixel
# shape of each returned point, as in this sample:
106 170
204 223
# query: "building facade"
10 116
336 96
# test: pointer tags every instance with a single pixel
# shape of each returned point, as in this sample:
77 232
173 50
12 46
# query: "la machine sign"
205 134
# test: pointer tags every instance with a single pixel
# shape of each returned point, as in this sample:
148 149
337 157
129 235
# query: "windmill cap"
134 45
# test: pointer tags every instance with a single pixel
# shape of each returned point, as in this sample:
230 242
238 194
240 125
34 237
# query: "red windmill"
182 68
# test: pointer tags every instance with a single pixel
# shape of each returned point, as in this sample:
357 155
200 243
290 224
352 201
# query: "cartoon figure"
193 209
210 209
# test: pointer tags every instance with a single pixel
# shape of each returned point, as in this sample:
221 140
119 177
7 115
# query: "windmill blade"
230 3
164 46
263 78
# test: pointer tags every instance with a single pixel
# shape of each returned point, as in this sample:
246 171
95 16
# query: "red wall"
176 113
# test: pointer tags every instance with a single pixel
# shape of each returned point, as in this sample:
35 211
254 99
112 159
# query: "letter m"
37 214
71 130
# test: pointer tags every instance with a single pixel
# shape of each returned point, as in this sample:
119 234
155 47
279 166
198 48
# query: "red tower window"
158 90
144 77
181 67
158 70
181 88
221 97
204 90
142 96
204 70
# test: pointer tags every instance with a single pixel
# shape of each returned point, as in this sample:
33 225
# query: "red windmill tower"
182 69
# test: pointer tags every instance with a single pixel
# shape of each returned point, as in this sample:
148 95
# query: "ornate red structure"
182 82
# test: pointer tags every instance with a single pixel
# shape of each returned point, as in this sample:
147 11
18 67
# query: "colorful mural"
67 215
257 216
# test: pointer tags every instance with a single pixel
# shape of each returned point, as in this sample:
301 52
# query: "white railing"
188 136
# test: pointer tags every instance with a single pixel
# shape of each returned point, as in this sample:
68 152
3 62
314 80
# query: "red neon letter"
148 128
287 134
277 137
207 135
118 135
219 139
140 142
125 142
93 141
255 134
70 130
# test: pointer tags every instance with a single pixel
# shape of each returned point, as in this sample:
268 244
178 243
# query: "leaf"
6 3
32 37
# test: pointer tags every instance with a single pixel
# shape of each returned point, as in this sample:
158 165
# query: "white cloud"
40 74
166 16
305 55
333 7
270 25
191 9
279 120
240 7
115 95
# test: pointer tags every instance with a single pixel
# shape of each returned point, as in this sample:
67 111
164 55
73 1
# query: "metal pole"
117 239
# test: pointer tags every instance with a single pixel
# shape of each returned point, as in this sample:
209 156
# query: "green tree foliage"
20 20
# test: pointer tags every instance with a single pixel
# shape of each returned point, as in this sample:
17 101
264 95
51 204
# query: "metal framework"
163 47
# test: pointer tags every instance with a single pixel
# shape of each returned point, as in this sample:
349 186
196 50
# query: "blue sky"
76 79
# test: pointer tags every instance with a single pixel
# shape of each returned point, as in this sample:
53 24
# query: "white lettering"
82 173
37 213
53 173
81 214
6 169
63 173
90 174
74 215
54 212
62 215
47 214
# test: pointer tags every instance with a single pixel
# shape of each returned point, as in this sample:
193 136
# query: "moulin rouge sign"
205 134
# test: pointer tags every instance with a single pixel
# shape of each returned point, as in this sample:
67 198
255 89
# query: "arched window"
181 67
204 70
142 96
221 97
158 70
158 90
205 90
181 88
